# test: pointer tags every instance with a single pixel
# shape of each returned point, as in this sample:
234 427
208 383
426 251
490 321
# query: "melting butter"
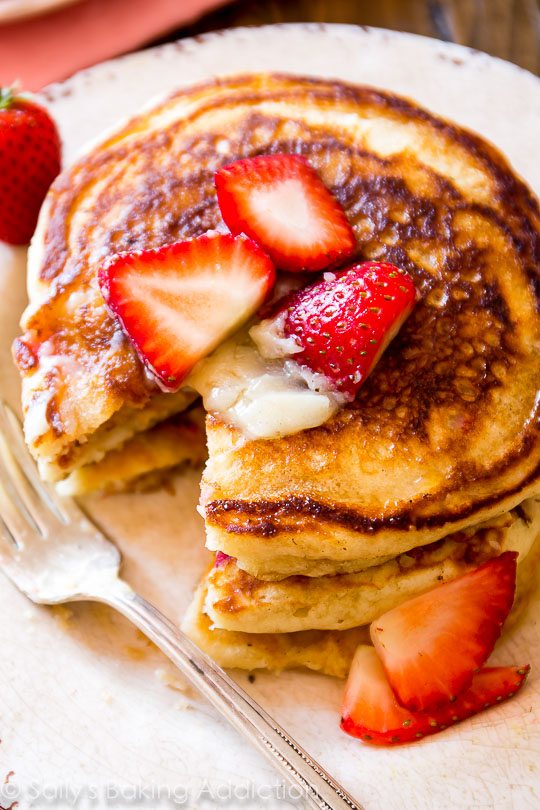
253 383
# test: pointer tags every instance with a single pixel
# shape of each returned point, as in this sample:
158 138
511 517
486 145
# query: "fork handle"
295 765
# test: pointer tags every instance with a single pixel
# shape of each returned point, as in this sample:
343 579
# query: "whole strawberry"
29 162
343 323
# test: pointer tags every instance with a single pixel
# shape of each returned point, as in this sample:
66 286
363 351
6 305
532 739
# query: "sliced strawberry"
431 645
177 303
281 202
371 712
343 323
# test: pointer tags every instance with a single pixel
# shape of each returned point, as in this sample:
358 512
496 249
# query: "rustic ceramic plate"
90 714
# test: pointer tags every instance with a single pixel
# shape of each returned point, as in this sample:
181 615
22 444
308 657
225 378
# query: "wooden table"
509 29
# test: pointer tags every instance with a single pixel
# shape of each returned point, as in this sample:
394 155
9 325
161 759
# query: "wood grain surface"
509 29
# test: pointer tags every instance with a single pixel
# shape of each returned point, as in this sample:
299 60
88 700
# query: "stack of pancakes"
435 466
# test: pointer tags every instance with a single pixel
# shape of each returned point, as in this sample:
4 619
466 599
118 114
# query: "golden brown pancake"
331 651
443 437
445 432
141 463
326 651
235 600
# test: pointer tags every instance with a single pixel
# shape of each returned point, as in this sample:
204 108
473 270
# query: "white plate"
80 705
12 10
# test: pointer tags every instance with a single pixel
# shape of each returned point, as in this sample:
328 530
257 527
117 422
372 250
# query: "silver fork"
53 553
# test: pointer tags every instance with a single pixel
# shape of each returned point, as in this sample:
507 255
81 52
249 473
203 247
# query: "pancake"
237 601
386 473
445 432
327 651
140 463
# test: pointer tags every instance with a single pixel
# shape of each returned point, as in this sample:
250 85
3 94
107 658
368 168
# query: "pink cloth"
44 49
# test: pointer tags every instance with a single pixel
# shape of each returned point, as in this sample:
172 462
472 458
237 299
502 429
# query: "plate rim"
464 54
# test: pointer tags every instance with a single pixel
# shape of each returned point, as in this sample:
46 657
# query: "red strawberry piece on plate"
344 323
371 712
178 302
281 202
29 162
431 645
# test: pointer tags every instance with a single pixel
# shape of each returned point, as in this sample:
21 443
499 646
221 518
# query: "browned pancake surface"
447 424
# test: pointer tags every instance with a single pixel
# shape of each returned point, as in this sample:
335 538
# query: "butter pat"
265 397
280 413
